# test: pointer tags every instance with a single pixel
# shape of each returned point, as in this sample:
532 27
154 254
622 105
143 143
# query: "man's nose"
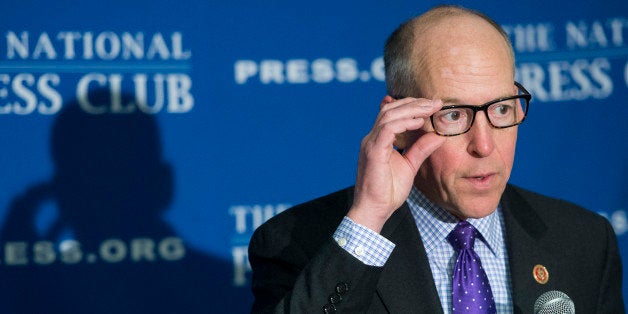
481 142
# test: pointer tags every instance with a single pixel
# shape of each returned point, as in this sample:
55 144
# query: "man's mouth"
482 181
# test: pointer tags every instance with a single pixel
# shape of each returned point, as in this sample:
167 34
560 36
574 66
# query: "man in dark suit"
432 174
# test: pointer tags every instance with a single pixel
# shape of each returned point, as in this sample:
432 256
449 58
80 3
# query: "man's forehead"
459 46
452 29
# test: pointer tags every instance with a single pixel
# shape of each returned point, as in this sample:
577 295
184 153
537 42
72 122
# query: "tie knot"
463 236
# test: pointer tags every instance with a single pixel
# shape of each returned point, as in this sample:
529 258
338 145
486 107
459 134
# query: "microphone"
554 302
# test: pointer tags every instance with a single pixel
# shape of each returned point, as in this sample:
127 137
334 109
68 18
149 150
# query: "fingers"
397 117
385 134
403 119
407 108
385 177
397 125
422 148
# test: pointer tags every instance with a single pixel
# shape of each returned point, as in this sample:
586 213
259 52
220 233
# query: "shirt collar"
435 223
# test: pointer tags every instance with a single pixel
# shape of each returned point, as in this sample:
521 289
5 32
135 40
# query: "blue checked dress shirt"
434 224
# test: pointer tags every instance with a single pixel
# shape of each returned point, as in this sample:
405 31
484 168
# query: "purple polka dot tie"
471 291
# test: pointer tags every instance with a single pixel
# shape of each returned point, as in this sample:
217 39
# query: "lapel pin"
540 274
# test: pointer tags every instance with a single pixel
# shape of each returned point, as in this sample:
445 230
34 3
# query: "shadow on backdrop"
92 238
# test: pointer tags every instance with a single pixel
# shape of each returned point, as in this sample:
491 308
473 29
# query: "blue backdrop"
144 141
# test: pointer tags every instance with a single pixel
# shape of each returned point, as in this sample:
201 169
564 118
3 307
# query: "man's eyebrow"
455 101
451 101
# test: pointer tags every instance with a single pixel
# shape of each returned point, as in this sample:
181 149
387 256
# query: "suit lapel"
524 238
406 284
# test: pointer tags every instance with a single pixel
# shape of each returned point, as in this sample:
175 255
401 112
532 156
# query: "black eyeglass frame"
484 107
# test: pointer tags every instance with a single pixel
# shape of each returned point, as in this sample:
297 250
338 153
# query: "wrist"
368 218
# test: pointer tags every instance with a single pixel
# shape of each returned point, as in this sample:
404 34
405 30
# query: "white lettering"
177 47
577 80
17 45
24 93
617 26
69 38
88 46
110 250
240 217
625 77
113 250
6 79
141 94
44 86
296 71
180 100
71 252
15 253
142 249
301 71
44 253
171 249
244 69
24 86
595 34
322 70
576 35
82 92
619 222
115 91
107 45
347 70
241 265
178 87
557 79
248 218
600 73
531 37
158 47
271 71
132 46
378 70
44 45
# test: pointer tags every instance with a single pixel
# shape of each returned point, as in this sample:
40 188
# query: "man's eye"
453 116
502 109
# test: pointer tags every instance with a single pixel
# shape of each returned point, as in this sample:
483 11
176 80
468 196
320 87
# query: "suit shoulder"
313 220
554 208
324 207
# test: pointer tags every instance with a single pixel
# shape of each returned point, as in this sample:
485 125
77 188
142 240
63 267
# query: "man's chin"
474 208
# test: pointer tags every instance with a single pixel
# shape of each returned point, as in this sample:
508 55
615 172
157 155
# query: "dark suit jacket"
297 266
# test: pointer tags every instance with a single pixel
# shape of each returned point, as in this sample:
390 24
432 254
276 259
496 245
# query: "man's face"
468 64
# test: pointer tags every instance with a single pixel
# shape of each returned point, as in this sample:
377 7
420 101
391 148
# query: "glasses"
452 120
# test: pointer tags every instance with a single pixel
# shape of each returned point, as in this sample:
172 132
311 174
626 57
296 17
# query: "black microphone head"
554 302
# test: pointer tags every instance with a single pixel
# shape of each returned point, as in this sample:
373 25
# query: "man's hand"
385 175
